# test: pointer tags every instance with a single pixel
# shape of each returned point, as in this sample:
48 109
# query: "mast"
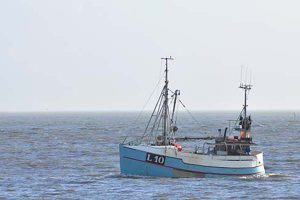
166 102
245 101
245 120
176 93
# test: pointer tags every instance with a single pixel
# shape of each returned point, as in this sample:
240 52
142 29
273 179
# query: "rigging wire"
155 89
148 100
144 106
236 121
158 114
192 116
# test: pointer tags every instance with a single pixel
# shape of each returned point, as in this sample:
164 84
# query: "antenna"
250 77
246 75
241 77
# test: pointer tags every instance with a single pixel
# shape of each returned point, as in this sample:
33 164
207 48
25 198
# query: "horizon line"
137 111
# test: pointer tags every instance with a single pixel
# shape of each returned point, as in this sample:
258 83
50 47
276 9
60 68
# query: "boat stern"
259 162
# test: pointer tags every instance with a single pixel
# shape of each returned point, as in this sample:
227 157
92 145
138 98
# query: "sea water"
75 156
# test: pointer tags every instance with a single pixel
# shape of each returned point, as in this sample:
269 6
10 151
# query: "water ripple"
75 156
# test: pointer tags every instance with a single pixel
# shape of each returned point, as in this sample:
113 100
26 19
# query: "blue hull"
133 162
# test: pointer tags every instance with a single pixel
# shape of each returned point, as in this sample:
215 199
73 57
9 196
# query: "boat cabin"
232 146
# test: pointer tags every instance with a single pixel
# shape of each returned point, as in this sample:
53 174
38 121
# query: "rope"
198 123
148 100
144 106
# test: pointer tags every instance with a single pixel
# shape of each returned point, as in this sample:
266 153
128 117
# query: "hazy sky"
93 55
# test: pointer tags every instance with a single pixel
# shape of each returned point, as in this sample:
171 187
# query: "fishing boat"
157 152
